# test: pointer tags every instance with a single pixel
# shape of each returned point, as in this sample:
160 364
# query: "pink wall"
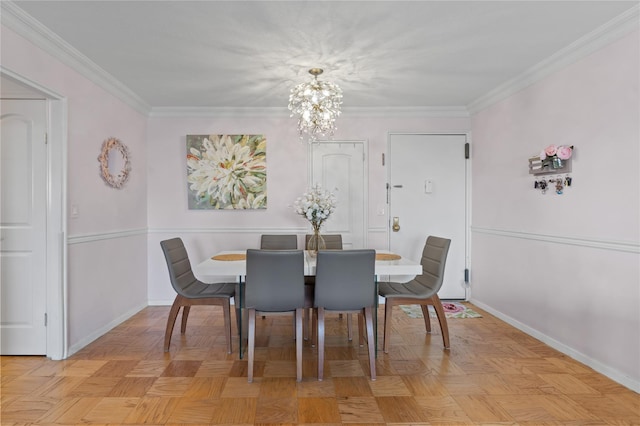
98 293
206 232
565 267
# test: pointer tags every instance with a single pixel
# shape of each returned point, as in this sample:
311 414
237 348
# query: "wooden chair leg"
349 327
299 316
442 319
425 315
361 331
320 343
185 315
388 311
368 319
226 309
171 320
251 343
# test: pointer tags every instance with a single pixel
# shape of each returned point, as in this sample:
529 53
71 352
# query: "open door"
23 227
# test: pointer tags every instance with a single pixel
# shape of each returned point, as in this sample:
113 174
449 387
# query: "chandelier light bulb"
317 105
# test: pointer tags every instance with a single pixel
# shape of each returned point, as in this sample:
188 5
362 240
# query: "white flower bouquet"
316 206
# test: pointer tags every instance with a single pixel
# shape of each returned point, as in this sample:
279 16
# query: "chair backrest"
279 242
275 280
331 241
179 265
345 279
434 258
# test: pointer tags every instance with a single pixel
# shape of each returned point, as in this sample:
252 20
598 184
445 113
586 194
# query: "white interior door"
427 196
23 207
340 167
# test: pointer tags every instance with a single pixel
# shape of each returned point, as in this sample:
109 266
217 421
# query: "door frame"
467 213
56 221
365 179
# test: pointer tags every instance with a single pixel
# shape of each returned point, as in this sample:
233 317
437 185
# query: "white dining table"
233 263
211 269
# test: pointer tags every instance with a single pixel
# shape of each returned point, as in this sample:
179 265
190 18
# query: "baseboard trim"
105 329
611 373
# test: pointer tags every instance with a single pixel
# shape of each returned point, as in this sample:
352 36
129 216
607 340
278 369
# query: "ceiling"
235 54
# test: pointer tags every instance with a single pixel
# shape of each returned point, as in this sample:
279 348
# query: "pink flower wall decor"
551 152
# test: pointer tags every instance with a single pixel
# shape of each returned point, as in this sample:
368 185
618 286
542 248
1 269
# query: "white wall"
205 232
565 267
107 241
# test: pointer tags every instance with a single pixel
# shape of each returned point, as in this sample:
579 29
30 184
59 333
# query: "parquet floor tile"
277 410
359 409
492 375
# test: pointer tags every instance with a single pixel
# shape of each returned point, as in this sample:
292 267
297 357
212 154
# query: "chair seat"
404 290
200 290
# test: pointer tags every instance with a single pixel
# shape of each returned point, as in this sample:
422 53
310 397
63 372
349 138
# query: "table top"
236 265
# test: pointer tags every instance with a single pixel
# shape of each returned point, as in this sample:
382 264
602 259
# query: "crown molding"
584 46
233 112
422 111
31 29
348 112
26 26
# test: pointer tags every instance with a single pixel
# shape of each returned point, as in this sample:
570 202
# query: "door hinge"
466 151
466 275
46 139
45 319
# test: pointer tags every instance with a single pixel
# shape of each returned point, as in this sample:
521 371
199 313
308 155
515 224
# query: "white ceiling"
232 54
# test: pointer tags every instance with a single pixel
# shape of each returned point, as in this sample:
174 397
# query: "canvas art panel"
226 172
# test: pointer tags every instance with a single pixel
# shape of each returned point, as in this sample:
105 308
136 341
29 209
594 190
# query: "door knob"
396 224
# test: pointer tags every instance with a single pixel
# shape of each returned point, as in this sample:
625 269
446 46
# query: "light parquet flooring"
493 374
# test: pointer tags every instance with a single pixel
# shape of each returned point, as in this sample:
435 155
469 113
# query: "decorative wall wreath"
110 147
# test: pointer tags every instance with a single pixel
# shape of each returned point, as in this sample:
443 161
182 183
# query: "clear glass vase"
316 242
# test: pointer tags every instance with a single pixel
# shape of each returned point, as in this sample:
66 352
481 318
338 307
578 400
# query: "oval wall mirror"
114 162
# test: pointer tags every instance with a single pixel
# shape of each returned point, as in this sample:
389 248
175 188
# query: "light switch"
75 211
428 186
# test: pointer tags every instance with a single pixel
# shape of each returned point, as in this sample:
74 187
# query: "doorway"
427 192
52 188
23 221
341 167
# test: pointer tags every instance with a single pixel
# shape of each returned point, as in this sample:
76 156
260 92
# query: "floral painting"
227 171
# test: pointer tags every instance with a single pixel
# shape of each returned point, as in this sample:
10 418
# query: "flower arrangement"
316 206
555 155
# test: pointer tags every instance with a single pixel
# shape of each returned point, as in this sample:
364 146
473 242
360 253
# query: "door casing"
56 248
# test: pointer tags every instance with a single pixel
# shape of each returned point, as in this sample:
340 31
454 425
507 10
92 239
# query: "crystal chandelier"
317 105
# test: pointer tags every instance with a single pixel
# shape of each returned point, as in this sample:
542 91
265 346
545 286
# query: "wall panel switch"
428 186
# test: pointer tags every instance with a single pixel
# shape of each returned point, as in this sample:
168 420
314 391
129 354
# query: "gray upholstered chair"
274 284
332 242
279 242
422 290
191 291
345 282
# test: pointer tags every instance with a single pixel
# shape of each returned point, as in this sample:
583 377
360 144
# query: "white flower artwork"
227 172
